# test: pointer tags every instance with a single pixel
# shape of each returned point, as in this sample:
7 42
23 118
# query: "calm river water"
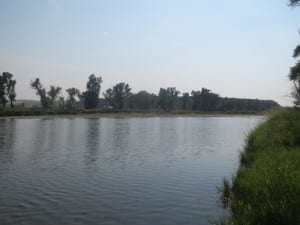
129 171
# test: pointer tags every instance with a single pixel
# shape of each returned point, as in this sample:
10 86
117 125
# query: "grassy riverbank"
266 188
38 112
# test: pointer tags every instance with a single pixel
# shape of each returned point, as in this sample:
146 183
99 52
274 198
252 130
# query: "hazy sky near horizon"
236 48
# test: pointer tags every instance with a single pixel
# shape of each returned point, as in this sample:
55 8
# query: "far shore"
132 115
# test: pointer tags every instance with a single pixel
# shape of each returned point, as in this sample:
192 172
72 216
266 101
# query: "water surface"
131 171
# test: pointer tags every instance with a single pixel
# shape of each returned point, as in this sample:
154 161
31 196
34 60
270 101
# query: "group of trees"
91 95
294 74
167 98
52 98
120 97
205 99
7 89
142 100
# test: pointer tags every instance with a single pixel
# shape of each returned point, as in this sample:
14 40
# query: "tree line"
120 97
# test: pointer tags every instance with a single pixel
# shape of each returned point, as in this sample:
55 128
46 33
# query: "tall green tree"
185 101
196 97
167 98
41 92
73 93
61 102
53 94
7 89
11 92
118 96
3 99
204 100
294 76
91 95
142 100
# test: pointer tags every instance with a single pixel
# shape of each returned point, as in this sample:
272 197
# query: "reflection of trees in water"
71 130
107 139
120 146
138 141
168 140
40 137
7 138
48 136
205 133
92 140
126 141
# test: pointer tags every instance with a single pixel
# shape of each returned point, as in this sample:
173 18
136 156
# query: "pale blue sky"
237 48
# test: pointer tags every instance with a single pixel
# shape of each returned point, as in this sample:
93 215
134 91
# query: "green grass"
266 188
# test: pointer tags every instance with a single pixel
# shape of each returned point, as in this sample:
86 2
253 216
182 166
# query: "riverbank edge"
116 114
266 187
